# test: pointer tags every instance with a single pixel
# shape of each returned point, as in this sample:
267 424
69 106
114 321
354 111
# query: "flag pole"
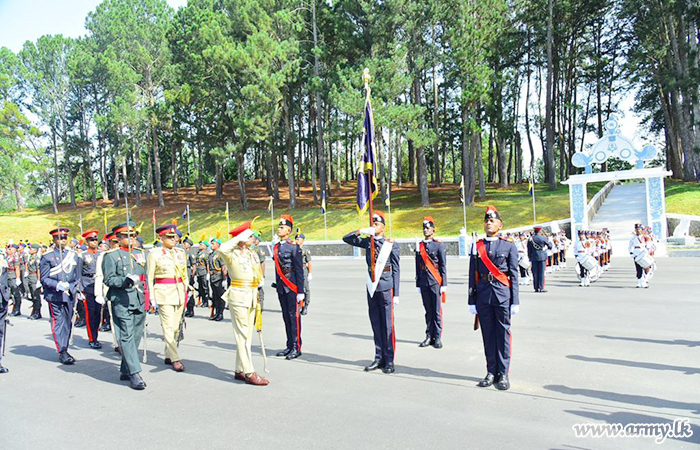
388 205
534 208
325 227
228 222
188 218
272 218
154 225
104 219
81 223
464 205
366 78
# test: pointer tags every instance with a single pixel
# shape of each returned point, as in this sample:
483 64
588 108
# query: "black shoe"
189 313
15 313
389 368
96 345
34 316
284 352
80 323
105 327
219 317
136 382
503 383
65 358
294 354
304 310
376 364
428 341
487 381
123 377
3 369
437 343
543 290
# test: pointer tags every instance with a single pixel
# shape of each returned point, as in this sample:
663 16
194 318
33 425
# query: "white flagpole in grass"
272 218
463 199
228 222
188 218
534 208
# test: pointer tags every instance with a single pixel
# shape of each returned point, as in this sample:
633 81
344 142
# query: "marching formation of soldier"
116 283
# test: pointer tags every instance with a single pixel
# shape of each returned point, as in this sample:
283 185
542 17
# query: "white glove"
134 278
208 277
99 299
472 309
417 245
514 309
26 273
369 231
443 289
310 277
223 284
300 298
38 285
62 286
396 300
154 304
418 289
18 281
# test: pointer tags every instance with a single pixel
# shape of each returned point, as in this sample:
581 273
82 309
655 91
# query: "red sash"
431 268
493 270
292 287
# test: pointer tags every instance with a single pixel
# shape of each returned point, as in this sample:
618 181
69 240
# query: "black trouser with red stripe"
61 316
381 315
292 319
432 302
494 318
92 316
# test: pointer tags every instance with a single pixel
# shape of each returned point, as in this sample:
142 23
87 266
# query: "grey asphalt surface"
609 353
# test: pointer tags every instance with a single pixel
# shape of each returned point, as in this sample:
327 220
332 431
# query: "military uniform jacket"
116 265
13 261
243 267
537 247
305 258
391 274
215 265
504 255
201 263
4 286
89 270
437 254
33 268
170 265
53 270
291 263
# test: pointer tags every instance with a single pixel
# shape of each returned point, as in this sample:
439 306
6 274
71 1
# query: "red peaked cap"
492 213
286 219
378 215
167 230
60 231
428 221
240 229
90 234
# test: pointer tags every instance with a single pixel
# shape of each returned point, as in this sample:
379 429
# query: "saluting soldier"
202 274
308 271
537 248
493 295
382 288
91 302
33 282
217 275
431 281
124 270
4 304
242 297
167 283
289 281
14 277
60 272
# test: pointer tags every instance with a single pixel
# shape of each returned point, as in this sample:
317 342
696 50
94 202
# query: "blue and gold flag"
366 178
531 187
461 190
323 202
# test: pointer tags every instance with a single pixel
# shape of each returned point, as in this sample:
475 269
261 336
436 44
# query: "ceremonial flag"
154 216
185 212
105 217
387 200
226 211
531 187
461 190
366 185
323 202
269 205
138 229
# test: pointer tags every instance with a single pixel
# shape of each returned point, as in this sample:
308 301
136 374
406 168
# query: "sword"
258 327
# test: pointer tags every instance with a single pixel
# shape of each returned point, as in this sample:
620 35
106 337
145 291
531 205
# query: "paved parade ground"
605 354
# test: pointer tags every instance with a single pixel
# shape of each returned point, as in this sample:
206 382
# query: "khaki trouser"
170 316
243 320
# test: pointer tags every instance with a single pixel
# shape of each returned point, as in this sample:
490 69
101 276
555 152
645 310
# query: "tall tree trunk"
289 146
156 166
321 151
467 157
314 152
240 162
436 129
219 180
549 166
136 163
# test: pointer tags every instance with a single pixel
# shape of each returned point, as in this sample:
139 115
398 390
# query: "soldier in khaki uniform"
242 297
167 283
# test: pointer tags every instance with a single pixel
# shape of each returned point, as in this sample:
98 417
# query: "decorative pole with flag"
323 211
366 180
387 203
104 211
81 224
228 223
271 210
188 218
531 189
463 199
154 225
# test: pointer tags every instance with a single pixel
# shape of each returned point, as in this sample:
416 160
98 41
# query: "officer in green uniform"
124 270
33 283
201 274
306 261
217 275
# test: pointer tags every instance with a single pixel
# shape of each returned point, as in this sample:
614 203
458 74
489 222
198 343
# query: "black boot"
284 352
437 343
376 364
428 341
503 382
487 381
136 382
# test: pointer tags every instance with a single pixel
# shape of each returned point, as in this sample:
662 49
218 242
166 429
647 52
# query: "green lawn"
208 218
683 197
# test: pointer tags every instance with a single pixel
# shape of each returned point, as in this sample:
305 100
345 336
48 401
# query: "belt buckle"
490 277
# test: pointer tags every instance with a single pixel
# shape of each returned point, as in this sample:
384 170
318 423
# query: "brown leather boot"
256 379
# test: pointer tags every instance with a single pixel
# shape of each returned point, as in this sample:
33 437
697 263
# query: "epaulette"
437 240
111 250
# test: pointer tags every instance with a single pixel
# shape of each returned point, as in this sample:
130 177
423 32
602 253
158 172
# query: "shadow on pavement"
642 365
650 341
370 338
642 400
